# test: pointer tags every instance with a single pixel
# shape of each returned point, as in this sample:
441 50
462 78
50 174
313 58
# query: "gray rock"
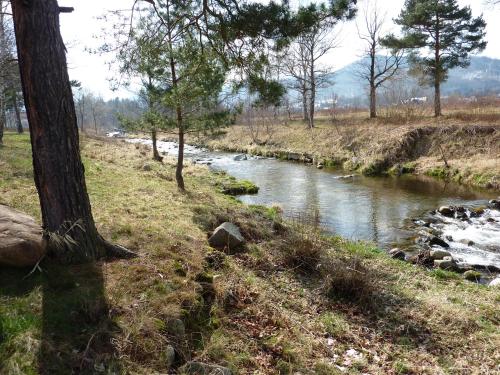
445 264
495 283
21 241
320 166
240 157
439 254
446 211
226 235
199 368
495 203
397 254
293 156
169 356
146 167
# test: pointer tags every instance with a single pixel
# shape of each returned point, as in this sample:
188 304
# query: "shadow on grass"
77 329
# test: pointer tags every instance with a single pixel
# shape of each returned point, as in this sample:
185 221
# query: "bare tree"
303 64
375 68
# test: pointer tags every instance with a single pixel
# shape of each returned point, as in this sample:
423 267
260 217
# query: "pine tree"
441 35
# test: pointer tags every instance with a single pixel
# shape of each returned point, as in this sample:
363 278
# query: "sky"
82 29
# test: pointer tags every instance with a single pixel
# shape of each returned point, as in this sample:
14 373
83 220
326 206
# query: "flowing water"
378 209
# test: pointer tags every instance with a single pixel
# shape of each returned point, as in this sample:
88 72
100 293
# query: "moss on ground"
261 311
234 187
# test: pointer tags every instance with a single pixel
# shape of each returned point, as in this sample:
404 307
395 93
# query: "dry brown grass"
374 146
260 315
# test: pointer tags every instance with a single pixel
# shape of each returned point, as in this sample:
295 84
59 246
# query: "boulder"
226 235
21 241
199 368
146 167
439 254
446 211
397 254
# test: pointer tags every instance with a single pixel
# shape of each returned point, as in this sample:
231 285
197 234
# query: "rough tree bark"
58 169
2 88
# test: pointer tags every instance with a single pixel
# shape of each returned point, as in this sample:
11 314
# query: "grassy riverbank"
291 301
421 146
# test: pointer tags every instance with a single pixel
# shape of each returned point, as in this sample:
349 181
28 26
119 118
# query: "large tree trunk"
2 83
19 123
58 169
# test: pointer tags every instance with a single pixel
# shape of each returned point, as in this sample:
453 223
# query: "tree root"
117 251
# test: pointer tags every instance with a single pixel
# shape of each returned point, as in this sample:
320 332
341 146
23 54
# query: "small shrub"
301 248
348 280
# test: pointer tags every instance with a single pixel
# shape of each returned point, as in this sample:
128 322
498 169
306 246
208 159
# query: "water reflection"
374 209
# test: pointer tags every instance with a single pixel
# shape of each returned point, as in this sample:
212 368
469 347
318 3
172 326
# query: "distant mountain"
480 78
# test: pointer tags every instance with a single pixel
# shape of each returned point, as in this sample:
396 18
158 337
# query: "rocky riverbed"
457 238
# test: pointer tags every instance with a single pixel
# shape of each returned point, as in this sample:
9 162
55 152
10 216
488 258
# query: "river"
378 209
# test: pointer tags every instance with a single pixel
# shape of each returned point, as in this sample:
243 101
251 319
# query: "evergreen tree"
441 35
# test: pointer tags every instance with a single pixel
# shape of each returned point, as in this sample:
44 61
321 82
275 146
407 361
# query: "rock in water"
446 211
438 241
198 368
240 157
21 241
495 203
226 235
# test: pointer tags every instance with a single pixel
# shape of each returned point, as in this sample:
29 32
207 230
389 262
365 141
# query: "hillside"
482 77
